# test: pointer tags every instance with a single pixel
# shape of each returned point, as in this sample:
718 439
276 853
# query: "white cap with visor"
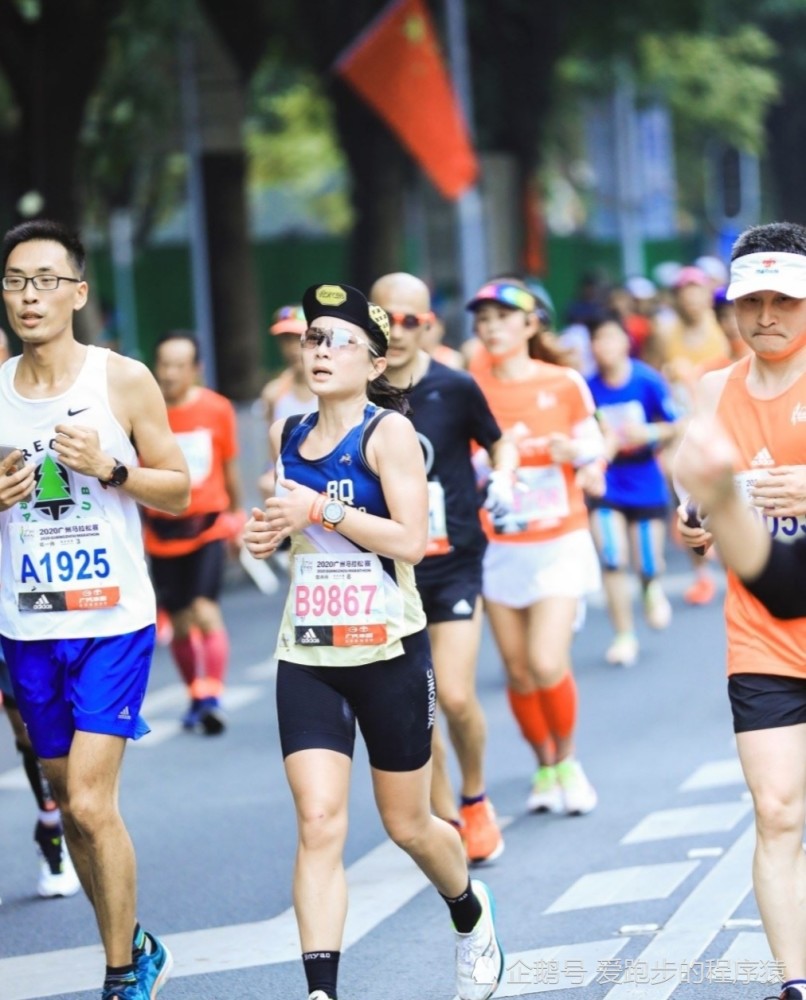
768 272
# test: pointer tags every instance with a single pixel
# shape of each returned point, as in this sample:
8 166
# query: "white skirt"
519 574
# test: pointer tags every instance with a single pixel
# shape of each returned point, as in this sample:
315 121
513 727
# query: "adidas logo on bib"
42 604
762 458
309 638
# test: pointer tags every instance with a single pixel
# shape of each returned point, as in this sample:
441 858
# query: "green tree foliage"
720 85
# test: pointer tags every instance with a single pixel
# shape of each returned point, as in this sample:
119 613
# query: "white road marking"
693 926
623 885
715 774
380 883
687 822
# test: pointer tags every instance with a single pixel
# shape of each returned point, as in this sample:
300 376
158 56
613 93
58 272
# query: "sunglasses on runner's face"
409 321
338 339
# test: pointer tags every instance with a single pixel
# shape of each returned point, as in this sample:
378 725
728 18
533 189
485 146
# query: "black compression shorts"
179 580
766 701
393 702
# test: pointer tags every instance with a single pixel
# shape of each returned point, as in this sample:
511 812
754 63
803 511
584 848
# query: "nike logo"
75 413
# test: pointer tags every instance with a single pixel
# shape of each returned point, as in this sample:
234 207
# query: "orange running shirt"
551 399
206 430
767 433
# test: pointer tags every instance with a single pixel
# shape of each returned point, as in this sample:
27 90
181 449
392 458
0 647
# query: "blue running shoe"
124 991
154 965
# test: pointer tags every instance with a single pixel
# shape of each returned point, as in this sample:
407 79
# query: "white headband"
768 272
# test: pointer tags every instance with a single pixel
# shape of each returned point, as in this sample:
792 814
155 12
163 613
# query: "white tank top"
72 556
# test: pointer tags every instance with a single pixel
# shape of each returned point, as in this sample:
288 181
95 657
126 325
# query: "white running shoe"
657 610
479 958
545 795
623 650
52 884
579 795
318 995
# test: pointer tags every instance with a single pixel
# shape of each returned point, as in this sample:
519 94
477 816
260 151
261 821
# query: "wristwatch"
120 474
332 514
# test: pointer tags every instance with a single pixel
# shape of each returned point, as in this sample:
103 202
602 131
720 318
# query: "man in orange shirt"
188 553
761 402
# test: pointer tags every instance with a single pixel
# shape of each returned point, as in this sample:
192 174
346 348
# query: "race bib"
197 447
63 567
339 600
438 541
620 415
785 529
540 495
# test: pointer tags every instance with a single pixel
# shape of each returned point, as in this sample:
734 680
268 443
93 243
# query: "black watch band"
120 474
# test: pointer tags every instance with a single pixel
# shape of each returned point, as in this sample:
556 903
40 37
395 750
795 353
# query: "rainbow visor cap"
768 272
506 294
288 319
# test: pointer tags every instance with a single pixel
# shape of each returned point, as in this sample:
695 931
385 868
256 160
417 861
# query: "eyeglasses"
507 295
409 321
337 338
41 282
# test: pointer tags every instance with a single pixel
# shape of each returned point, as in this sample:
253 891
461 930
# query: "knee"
457 703
87 812
407 831
321 826
207 615
779 817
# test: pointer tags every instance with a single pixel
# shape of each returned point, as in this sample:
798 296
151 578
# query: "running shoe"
57 876
125 991
545 795
153 965
623 650
482 837
211 718
702 591
191 717
319 995
657 609
479 957
578 794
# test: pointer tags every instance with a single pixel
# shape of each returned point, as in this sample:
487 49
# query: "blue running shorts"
92 685
6 689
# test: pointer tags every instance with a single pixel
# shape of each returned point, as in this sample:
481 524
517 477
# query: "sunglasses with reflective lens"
409 321
338 339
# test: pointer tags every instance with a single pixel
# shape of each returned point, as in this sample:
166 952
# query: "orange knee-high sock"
215 653
187 657
559 705
528 713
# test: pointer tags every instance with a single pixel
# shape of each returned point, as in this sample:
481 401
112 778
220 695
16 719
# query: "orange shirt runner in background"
766 433
206 431
551 399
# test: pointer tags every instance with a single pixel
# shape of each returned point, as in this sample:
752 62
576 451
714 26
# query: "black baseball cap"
346 302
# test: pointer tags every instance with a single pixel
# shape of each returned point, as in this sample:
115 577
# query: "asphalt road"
648 897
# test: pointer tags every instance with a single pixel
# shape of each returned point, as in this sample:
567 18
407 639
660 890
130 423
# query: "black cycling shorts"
766 701
393 702
179 580
450 595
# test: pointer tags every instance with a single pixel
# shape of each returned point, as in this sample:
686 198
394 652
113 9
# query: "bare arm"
161 479
394 451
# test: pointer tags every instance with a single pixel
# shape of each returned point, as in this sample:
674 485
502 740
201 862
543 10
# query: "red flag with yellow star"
397 68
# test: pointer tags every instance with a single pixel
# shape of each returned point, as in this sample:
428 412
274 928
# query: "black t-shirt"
780 585
450 412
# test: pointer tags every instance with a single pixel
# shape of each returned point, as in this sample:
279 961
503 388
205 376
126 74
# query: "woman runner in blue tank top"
352 646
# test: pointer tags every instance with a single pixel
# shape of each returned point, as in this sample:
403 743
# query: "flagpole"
469 208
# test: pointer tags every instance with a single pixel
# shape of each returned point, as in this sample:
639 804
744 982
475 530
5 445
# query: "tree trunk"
232 276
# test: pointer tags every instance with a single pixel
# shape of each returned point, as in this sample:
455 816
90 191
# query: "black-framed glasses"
338 338
41 282
409 321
